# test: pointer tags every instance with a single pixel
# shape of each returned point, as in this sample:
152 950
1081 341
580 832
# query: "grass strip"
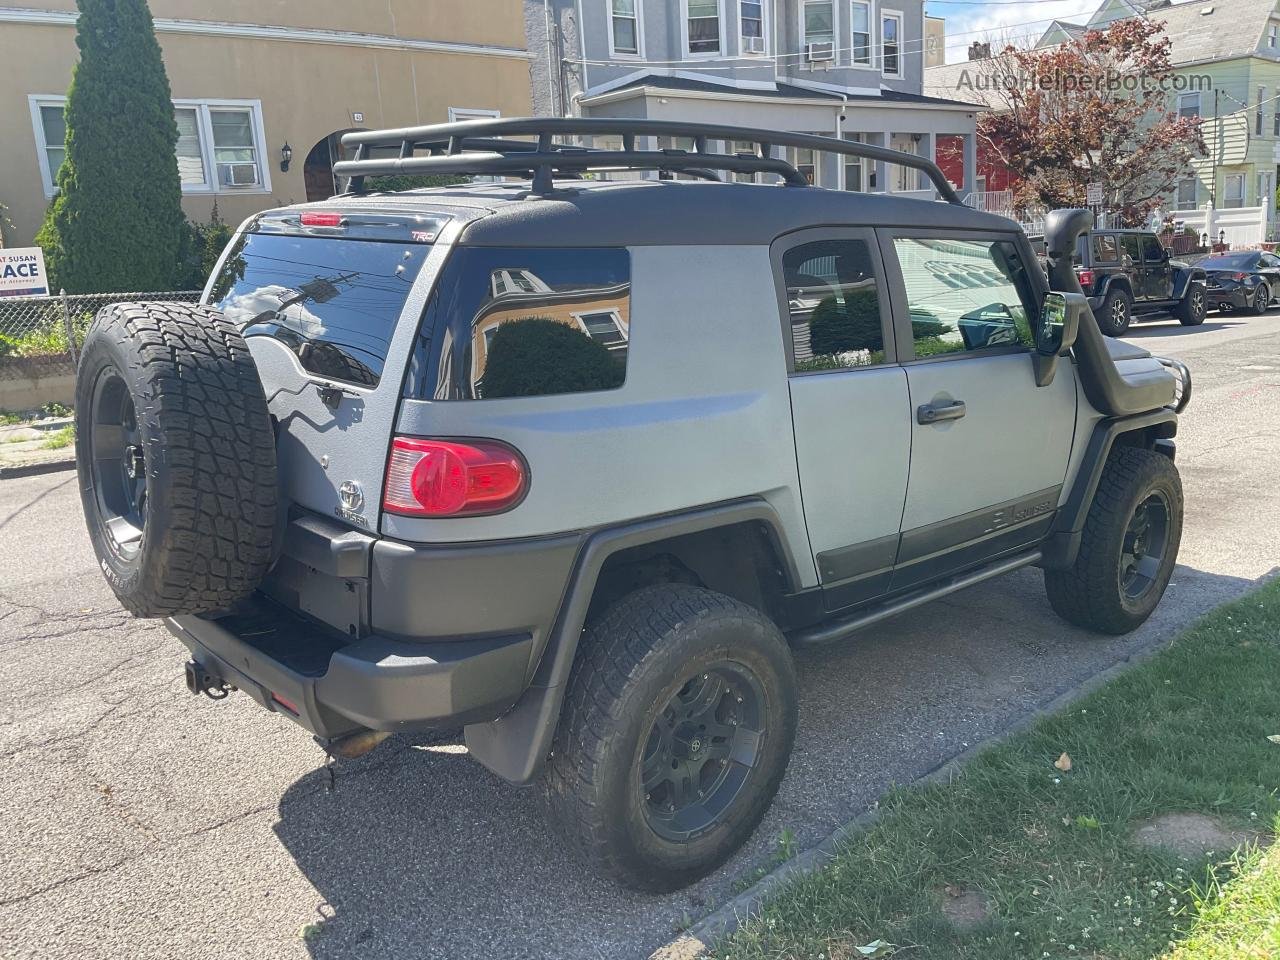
1020 858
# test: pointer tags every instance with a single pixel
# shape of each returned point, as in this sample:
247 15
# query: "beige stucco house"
249 77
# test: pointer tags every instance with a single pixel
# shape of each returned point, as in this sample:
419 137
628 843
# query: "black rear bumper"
292 666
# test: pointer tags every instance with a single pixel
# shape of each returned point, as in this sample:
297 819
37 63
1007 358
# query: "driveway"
142 822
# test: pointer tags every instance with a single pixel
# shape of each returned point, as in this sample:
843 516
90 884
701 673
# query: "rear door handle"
936 413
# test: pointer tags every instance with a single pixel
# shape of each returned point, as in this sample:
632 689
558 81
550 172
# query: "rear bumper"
293 667
1217 297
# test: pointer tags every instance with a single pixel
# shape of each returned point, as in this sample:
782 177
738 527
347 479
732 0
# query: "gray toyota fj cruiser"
572 464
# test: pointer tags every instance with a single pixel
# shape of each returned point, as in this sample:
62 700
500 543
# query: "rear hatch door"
329 303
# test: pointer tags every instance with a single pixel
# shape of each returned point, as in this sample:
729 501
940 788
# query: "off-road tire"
1261 298
1192 307
1116 314
1089 594
205 454
636 656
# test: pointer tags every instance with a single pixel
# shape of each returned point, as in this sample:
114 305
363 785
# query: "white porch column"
928 150
970 162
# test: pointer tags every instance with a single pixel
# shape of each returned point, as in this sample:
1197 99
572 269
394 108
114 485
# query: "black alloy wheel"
118 464
1142 550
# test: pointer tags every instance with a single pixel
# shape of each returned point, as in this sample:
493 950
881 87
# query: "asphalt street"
143 822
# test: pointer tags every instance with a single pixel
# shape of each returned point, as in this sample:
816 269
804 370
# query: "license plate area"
323 573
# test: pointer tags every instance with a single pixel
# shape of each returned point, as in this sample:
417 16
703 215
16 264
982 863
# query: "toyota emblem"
351 495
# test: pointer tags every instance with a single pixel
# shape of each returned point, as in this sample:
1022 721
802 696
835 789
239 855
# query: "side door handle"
936 413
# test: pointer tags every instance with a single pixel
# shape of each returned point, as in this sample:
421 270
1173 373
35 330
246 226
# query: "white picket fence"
1241 227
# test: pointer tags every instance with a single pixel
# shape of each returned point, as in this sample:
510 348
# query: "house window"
748 147
219 149
1233 190
624 27
819 21
1275 129
702 23
1187 194
1257 121
604 327
860 21
1273 36
890 44
751 26
1189 105
853 167
457 114
806 163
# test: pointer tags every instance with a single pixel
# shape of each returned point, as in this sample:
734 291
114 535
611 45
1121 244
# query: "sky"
998 20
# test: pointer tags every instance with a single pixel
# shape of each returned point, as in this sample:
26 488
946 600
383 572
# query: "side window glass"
1152 250
834 305
524 323
1104 248
1132 250
965 295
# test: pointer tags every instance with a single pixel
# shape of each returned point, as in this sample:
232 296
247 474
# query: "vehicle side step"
836 630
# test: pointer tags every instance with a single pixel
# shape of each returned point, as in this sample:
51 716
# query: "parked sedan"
1249 280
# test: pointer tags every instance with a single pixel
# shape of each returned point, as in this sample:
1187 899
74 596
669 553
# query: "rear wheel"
1129 546
676 732
1116 314
176 457
1261 298
1191 309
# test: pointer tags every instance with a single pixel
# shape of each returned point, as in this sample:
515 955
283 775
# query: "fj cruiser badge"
352 498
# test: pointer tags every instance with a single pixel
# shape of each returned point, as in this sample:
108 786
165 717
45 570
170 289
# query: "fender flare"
1182 280
516 745
1114 281
1063 541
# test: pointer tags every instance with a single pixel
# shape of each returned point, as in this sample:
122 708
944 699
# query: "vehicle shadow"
1172 328
420 852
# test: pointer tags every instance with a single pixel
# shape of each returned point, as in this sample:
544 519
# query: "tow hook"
200 680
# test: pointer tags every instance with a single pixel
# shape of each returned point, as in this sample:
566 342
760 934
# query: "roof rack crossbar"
486 147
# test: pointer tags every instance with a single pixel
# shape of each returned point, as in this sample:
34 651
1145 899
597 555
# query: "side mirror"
1059 325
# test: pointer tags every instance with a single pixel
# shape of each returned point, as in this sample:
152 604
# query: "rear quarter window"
517 322
1105 248
333 302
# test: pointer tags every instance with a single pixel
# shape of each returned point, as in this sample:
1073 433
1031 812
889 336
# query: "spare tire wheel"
176 456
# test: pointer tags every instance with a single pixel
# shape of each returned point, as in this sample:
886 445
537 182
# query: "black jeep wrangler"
1129 272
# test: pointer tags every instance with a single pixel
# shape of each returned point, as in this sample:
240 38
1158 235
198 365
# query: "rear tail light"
1239 276
452 478
1085 276
314 219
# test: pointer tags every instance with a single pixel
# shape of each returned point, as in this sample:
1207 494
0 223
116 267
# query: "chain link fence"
41 336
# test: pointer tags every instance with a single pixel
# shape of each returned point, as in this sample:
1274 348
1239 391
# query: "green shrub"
204 244
394 184
117 222
837 327
537 356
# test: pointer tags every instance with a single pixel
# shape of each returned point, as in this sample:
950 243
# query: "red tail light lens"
1239 276
1085 276
450 478
321 219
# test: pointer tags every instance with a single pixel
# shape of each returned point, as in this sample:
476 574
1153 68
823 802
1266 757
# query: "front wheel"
1129 546
676 731
1261 298
1117 311
1191 309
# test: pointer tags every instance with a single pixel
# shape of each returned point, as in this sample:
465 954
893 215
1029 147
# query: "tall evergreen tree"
117 222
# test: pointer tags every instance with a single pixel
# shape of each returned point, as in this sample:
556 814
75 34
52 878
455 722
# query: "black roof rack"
486 147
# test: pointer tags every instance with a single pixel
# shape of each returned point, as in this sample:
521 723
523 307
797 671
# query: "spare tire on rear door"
176 456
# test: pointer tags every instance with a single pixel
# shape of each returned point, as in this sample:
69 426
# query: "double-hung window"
1273 36
891 43
1189 105
1187 193
1233 190
624 27
702 27
220 146
1258 121
1275 108
860 25
818 20
751 26
853 179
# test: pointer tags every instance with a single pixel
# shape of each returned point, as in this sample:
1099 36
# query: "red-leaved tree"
1093 110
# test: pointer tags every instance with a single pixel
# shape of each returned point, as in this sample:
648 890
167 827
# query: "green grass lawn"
1051 852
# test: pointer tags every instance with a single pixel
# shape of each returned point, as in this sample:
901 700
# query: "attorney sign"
22 273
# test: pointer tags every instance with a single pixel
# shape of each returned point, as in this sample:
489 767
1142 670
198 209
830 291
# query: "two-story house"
262 91
840 68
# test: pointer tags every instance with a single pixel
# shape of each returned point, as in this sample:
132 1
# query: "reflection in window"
506 323
834 305
964 294
334 303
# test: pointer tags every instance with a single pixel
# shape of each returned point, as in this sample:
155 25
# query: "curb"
37 468
706 933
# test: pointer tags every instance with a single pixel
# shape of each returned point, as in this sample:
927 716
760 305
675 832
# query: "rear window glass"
333 302
525 322
1240 261
1105 249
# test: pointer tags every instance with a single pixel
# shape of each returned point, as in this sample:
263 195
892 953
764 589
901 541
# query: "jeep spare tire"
176 457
